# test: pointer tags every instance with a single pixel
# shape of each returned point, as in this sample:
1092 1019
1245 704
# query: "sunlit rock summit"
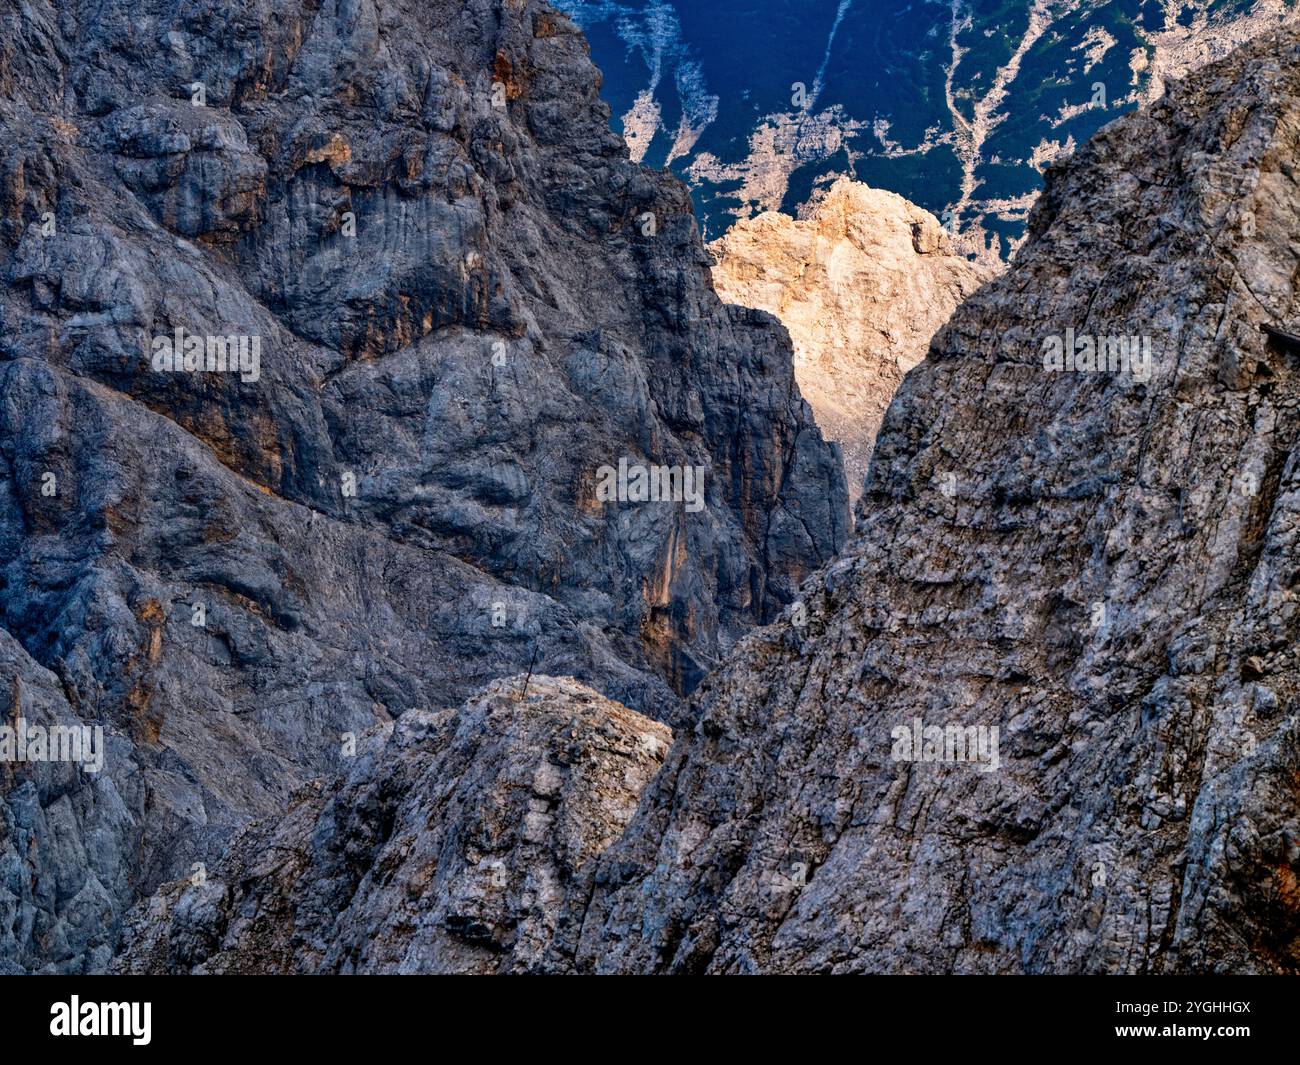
862 282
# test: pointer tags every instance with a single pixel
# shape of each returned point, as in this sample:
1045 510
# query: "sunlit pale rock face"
861 282
1101 565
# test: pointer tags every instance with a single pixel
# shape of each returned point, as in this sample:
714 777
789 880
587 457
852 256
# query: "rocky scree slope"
1100 565
862 281
466 299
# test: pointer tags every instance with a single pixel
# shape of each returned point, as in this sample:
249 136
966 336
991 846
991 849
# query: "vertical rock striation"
1099 564
464 301
1083 578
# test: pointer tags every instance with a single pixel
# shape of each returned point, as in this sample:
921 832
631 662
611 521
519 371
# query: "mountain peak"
837 278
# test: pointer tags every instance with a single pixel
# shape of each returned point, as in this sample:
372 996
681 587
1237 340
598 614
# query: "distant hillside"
758 104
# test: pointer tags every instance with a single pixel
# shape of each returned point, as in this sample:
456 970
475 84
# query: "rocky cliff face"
460 841
1040 716
1098 564
862 283
432 299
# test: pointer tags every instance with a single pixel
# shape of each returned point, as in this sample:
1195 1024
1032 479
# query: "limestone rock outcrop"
1041 714
432 298
862 282
1099 563
460 841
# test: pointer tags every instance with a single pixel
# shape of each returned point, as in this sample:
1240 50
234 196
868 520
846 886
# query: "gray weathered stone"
459 842
461 315
1107 580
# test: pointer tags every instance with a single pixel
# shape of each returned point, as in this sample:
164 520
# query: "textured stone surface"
1109 580
459 842
862 282
467 300
1099 565
1108 577
74 827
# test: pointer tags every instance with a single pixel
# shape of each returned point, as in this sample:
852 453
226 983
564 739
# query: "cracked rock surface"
1100 566
466 300
1108 580
1108 577
461 841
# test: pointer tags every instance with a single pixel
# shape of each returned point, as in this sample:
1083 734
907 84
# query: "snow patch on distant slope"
654 32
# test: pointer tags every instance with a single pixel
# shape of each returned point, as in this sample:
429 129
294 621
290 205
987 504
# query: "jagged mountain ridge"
396 872
1100 567
1141 813
466 301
